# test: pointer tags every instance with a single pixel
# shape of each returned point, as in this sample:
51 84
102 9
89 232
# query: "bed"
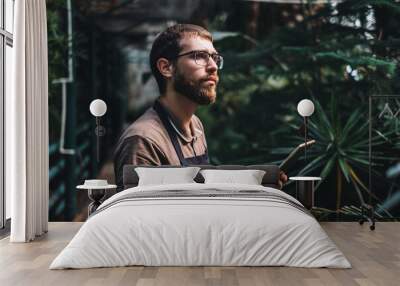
201 224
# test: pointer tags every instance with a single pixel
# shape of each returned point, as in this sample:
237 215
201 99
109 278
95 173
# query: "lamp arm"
305 138
97 139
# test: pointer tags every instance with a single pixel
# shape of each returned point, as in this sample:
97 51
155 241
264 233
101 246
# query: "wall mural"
274 55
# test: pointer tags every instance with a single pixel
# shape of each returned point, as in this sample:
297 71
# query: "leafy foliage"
342 148
57 42
337 54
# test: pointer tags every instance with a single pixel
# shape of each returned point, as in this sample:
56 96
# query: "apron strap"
162 113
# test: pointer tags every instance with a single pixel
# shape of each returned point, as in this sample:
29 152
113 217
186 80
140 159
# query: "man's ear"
165 67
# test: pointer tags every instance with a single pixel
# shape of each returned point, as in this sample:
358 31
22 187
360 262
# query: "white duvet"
207 230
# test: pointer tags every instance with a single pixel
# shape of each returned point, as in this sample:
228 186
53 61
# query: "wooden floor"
375 256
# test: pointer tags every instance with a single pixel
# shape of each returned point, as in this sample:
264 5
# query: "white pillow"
248 177
163 176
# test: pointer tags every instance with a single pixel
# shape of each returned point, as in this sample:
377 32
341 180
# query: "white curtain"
27 124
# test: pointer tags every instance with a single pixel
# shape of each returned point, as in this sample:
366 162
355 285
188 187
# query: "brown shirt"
146 142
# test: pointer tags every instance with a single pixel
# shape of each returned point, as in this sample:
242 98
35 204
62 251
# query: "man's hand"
283 178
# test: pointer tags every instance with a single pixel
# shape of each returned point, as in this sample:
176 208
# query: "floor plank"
374 255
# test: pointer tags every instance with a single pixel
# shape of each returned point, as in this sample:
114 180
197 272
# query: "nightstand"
305 190
96 192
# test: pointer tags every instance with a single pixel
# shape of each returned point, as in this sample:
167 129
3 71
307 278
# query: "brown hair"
167 45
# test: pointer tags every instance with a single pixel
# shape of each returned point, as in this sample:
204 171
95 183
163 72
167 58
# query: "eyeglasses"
202 58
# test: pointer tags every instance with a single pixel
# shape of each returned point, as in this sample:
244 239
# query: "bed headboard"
270 179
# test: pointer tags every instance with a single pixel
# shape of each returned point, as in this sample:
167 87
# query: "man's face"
192 80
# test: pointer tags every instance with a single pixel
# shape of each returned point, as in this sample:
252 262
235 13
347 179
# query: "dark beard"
193 91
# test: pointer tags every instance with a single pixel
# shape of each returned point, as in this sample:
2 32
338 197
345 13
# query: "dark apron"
196 160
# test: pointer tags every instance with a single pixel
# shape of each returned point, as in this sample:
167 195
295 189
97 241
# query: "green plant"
342 149
339 54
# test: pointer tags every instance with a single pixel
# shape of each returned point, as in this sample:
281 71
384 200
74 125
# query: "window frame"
6 39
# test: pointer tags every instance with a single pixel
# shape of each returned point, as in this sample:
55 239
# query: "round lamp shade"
98 107
305 107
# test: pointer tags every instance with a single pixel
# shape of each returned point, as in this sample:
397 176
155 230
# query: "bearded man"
185 65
